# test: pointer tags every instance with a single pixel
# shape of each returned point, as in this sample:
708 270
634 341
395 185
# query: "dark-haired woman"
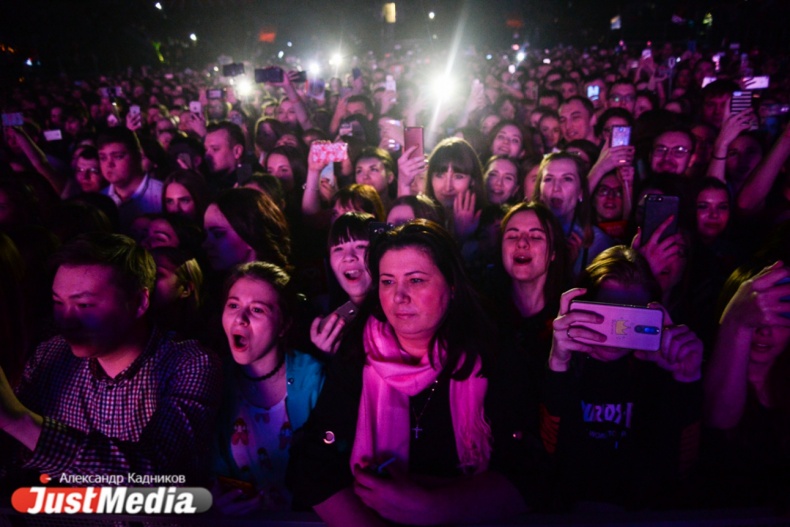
536 271
455 180
399 432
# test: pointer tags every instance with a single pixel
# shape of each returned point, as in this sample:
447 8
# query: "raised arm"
751 198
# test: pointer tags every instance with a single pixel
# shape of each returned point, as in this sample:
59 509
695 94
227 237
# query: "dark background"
100 36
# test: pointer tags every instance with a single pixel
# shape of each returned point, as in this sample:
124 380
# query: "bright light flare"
520 56
314 69
336 59
280 54
193 37
431 15
511 69
443 86
158 6
244 87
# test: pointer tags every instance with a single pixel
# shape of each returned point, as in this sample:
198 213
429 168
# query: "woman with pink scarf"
399 432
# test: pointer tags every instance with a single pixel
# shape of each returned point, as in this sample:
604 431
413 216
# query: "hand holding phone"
413 136
624 326
325 332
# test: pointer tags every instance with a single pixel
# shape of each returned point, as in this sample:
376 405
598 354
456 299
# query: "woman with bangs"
348 243
455 180
562 187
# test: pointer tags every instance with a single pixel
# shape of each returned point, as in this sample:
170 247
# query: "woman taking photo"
270 392
399 433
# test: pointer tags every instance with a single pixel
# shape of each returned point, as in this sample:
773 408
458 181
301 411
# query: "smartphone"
621 135
758 83
625 326
53 135
134 110
215 94
356 73
270 74
316 88
646 53
301 76
593 92
345 130
413 136
186 159
195 107
229 484
658 208
329 152
13 119
389 83
233 70
347 312
740 101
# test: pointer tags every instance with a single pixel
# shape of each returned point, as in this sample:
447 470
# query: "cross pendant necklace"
417 418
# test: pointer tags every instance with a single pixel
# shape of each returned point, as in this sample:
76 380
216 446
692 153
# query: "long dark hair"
259 222
466 331
558 273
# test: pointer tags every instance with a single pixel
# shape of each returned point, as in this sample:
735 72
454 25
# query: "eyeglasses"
608 192
622 98
677 151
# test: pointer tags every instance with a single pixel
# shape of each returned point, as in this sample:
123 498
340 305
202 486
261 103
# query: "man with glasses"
671 152
622 94
87 171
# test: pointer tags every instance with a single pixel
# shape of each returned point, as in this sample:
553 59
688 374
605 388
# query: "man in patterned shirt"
112 394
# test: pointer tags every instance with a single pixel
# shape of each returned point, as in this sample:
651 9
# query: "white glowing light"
546 61
280 54
193 37
290 44
244 87
158 6
511 69
216 68
489 56
431 15
336 59
520 56
314 68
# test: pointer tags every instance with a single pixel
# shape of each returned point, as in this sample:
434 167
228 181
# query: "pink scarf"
388 380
